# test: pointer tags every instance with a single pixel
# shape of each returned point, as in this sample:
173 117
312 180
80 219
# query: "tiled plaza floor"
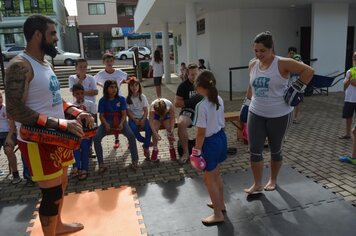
312 147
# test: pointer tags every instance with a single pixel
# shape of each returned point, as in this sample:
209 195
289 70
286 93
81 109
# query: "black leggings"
273 128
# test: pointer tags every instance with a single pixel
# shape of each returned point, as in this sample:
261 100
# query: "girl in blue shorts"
211 143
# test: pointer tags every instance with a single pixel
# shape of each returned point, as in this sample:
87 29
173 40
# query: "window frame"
201 26
96 9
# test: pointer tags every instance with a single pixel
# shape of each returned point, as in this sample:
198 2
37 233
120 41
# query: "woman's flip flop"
270 188
212 223
256 191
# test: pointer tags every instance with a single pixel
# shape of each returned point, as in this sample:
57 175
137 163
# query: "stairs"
63 72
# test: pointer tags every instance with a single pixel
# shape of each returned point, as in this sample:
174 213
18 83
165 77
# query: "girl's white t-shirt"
206 116
157 68
137 106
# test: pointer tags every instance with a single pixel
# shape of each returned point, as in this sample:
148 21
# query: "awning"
117 32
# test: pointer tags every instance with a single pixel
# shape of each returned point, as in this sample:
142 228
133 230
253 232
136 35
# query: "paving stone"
312 147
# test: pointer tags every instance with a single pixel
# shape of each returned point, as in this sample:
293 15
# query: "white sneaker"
16 180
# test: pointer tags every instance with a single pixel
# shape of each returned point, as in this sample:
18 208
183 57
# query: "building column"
329 46
22 8
81 45
153 43
166 59
126 42
191 32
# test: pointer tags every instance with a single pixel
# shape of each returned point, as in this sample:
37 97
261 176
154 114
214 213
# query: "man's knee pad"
49 204
255 157
277 156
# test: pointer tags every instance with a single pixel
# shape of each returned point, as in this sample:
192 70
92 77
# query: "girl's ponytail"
207 81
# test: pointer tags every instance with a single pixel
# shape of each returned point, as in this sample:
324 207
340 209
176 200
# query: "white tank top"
268 89
44 94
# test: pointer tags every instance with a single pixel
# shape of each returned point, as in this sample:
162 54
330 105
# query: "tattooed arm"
17 78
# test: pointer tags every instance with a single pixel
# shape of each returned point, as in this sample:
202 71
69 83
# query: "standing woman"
271 104
157 67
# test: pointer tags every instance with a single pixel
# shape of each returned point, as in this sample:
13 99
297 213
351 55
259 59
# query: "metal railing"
246 67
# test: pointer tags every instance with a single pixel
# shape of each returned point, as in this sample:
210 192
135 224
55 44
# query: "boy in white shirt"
81 77
110 72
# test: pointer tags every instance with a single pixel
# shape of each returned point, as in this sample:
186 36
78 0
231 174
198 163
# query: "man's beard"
49 49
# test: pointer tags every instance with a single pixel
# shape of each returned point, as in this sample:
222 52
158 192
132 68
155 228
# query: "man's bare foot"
68 228
253 189
212 207
213 220
270 186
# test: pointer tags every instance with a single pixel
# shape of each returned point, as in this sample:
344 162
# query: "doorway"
349 47
305 43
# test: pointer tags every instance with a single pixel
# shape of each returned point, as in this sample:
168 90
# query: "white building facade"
14 13
222 31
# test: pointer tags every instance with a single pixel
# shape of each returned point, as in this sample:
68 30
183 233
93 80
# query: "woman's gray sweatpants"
273 128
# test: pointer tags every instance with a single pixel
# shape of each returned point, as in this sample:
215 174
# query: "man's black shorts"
348 110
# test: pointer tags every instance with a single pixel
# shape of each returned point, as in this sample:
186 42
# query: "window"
201 26
9 5
9 39
123 10
129 11
96 8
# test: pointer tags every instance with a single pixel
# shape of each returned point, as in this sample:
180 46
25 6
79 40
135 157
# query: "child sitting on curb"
137 111
113 112
81 155
162 113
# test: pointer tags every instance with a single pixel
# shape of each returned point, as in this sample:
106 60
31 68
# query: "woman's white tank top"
268 89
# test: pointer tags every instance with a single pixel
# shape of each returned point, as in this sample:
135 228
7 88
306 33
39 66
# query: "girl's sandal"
102 169
83 175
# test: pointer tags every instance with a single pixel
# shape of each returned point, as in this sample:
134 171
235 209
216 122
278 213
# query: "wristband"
76 112
62 124
42 120
196 152
67 105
